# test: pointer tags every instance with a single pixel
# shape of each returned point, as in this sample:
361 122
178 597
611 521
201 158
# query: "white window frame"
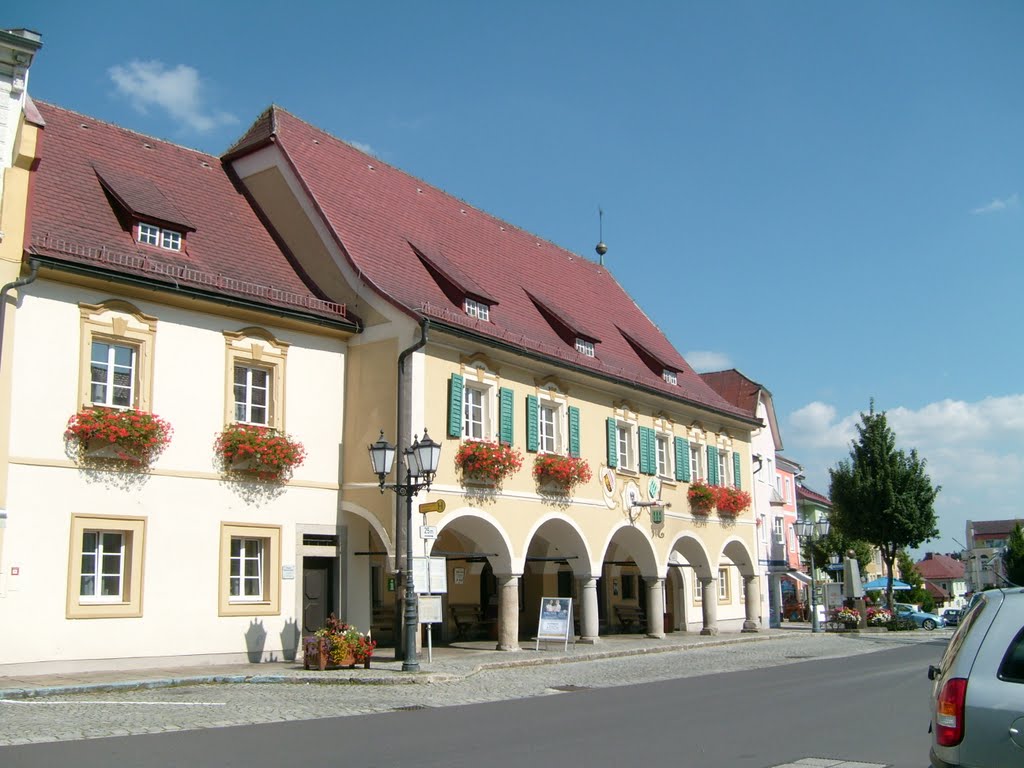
149 235
159 237
110 369
670 377
698 589
268 603
238 577
128 600
789 491
477 309
626 445
255 348
663 454
778 530
723 585
100 555
549 436
696 462
724 468
476 402
249 389
585 347
119 325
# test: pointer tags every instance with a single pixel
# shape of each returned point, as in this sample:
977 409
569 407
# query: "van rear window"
1012 668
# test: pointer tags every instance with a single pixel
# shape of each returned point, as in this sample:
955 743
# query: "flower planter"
104 449
700 510
262 452
559 475
316 654
485 463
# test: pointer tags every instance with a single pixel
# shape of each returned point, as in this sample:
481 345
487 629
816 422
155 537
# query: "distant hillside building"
986 541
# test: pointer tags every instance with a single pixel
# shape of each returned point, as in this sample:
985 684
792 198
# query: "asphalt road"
870 707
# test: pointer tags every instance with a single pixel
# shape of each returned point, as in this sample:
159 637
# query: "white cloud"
974 451
177 91
703 360
997 205
366 148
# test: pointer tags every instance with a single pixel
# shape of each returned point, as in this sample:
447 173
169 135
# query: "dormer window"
584 347
478 309
167 239
669 376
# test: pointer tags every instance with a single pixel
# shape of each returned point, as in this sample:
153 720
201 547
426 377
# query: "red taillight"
949 712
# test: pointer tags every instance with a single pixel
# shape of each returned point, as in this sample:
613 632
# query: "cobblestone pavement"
127 711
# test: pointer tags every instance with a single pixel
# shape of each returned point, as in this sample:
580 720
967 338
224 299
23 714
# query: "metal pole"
815 624
411 662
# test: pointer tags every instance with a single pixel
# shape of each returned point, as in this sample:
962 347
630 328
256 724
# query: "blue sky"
826 196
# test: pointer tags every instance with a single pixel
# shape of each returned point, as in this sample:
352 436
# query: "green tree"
882 494
909 573
1014 559
836 543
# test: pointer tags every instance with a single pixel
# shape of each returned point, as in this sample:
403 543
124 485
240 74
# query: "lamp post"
809 533
421 459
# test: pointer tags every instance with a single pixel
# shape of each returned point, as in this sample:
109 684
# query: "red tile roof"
803 493
73 218
376 211
984 528
735 388
935 566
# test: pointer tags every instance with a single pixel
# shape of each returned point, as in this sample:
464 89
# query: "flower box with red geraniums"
566 472
731 501
702 497
132 437
261 451
490 462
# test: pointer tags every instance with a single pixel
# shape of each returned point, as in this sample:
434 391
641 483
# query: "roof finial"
601 248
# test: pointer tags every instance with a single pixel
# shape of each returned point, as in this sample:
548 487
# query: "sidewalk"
450 662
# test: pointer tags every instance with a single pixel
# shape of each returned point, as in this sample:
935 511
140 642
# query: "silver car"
978 692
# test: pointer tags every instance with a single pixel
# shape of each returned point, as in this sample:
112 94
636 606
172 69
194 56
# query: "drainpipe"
399 505
30 277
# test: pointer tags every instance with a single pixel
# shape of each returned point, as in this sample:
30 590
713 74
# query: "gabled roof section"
803 493
141 197
374 211
564 323
230 253
936 566
995 527
451 274
650 359
745 393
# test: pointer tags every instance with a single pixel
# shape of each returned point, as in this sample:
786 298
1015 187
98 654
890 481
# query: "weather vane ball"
601 249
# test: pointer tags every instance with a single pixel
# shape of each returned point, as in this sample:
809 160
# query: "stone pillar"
709 604
589 619
752 603
508 612
655 608
775 601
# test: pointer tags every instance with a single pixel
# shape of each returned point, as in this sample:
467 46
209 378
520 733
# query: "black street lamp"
809 533
421 459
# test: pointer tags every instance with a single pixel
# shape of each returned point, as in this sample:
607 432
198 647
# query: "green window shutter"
736 479
613 444
574 431
682 447
455 406
712 465
505 416
647 462
532 424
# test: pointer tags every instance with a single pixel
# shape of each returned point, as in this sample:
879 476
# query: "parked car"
951 616
927 620
978 692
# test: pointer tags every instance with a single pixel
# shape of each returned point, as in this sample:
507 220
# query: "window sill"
627 472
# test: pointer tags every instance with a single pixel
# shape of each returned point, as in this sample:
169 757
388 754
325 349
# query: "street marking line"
123 703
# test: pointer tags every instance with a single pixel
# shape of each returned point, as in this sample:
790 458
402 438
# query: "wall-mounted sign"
287 571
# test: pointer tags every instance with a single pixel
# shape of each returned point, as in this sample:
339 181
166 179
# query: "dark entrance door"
317 592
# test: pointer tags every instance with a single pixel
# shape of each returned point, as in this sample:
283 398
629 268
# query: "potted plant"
261 451
878 617
131 437
731 501
701 496
564 472
487 461
337 644
847 616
